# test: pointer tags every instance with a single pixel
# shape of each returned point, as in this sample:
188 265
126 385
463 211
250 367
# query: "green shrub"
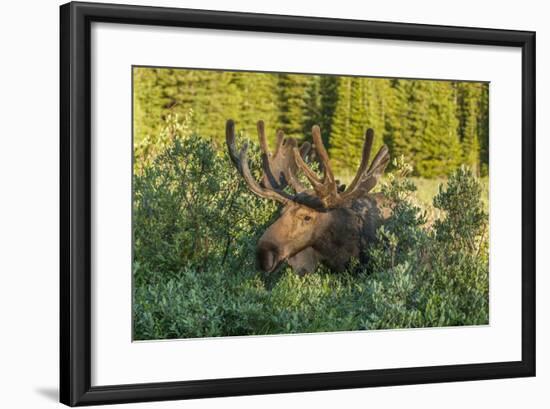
195 227
191 210
435 276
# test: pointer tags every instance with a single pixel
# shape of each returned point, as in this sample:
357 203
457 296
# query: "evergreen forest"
436 125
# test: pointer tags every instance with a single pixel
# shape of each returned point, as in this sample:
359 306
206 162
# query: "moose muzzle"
268 257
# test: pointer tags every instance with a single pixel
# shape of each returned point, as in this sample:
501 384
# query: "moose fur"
328 223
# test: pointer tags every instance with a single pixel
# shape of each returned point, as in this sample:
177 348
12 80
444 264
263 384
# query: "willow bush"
195 228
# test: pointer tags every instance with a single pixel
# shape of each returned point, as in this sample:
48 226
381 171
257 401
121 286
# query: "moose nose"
267 256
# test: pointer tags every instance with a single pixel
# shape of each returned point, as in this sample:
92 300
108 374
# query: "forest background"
436 125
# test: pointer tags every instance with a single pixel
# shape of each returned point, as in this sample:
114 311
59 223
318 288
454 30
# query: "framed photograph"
257 204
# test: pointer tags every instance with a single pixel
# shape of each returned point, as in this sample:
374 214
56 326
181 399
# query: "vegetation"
196 225
436 125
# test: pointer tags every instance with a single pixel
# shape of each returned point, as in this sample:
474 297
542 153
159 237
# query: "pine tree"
341 124
328 99
147 100
291 102
483 129
424 126
358 114
440 151
361 105
312 107
468 98
376 98
255 99
407 119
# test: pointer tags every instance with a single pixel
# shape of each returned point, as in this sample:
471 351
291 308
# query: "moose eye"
307 218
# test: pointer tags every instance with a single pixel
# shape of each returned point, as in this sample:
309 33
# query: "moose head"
326 223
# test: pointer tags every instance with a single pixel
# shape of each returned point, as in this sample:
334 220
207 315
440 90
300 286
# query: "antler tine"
381 158
293 181
277 170
254 186
241 163
310 175
280 139
323 155
326 189
230 141
290 176
268 179
261 137
368 179
367 146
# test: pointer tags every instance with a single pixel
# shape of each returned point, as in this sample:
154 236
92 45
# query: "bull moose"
327 223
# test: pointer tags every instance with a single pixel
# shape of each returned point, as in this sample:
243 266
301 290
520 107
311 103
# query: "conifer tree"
406 120
358 116
328 91
255 99
483 129
468 98
424 126
341 124
312 107
377 97
440 151
147 100
361 105
291 100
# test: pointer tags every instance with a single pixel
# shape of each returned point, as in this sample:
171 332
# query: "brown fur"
305 237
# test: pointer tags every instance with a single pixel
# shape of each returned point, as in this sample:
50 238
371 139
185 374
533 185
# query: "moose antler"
327 189
366 178
278 169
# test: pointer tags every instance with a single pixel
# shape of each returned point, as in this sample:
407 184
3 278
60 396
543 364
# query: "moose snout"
267 255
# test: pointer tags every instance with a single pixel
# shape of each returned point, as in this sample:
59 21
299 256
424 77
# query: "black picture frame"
76 199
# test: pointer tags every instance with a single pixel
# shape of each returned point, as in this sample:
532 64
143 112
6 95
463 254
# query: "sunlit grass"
428 188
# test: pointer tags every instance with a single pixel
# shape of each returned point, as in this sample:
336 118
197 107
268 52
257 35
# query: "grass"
428 188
